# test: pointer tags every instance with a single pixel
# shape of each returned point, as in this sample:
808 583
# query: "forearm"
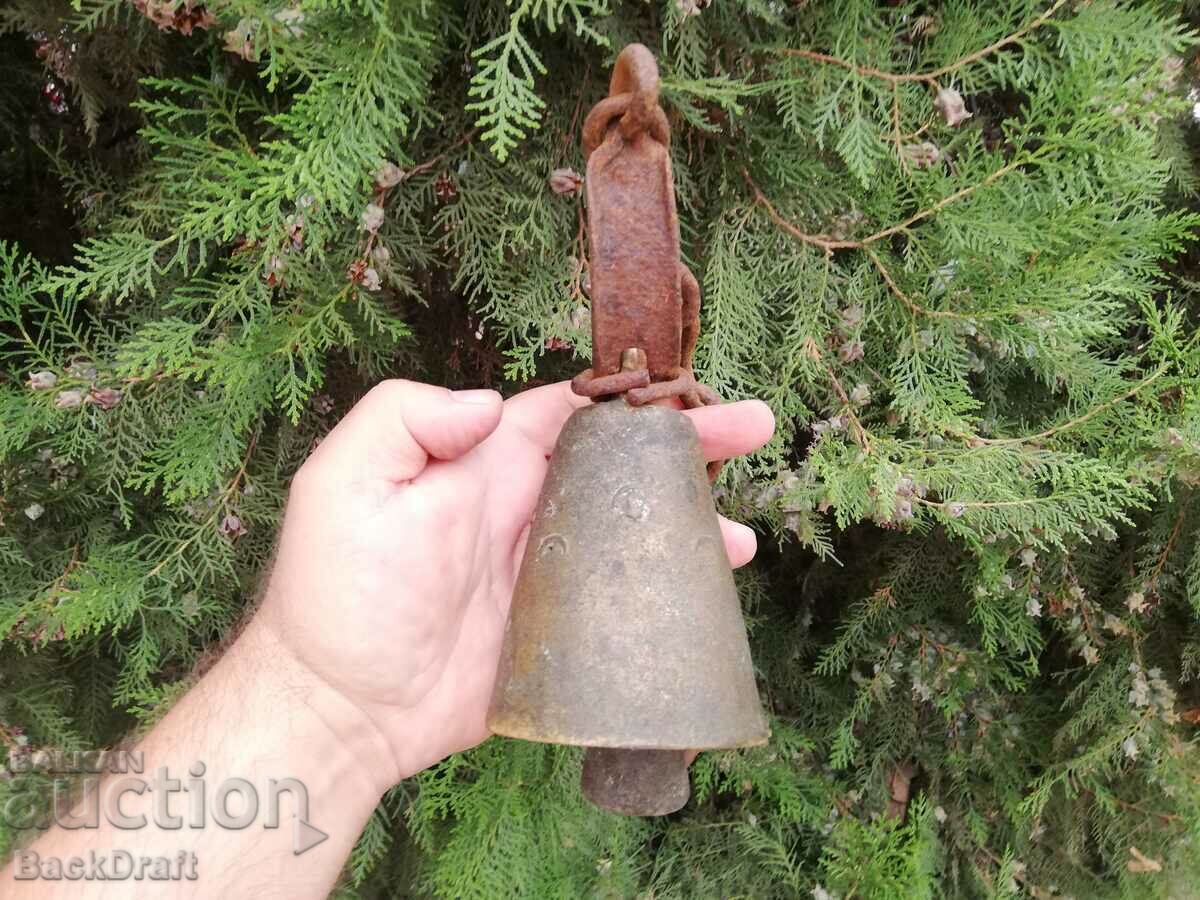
256 716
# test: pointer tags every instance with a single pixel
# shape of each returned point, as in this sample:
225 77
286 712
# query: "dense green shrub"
945 241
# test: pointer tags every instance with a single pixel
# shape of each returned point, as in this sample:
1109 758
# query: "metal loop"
633 98
635 72
604 113
595 126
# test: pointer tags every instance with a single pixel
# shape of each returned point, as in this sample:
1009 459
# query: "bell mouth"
541 733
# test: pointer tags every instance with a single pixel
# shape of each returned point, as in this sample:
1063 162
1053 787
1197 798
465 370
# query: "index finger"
541 412
727 430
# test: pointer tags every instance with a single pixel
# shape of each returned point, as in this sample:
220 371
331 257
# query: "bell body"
625 629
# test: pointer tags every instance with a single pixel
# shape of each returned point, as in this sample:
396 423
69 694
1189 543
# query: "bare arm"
372 655
257 742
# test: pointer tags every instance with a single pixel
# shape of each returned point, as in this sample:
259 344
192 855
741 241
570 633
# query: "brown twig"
826 243
218 507
893 77
946 201
981 504
567 135
932 76
430 163
1152 583
909 302
897 139
861 435
581 258
381 193
1080 419
59 583
899 789
1165 818
1087 624
829 244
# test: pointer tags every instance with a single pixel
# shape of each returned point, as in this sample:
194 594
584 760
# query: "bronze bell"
626 635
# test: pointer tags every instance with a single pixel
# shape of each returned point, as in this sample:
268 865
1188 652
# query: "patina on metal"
626 634
625 629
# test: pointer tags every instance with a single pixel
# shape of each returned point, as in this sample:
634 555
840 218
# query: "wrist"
333 731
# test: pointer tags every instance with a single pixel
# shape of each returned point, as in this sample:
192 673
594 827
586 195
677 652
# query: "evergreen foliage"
948 242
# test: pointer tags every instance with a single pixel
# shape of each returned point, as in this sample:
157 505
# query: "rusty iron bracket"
645 302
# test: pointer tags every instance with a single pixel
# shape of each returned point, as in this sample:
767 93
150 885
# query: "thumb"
394 430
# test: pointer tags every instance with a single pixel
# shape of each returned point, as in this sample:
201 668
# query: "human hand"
400 548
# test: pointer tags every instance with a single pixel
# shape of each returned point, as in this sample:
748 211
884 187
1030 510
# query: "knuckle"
390 391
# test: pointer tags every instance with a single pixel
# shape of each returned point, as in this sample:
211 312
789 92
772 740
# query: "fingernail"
481 397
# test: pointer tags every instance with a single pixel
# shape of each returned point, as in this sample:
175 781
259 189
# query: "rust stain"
643 296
